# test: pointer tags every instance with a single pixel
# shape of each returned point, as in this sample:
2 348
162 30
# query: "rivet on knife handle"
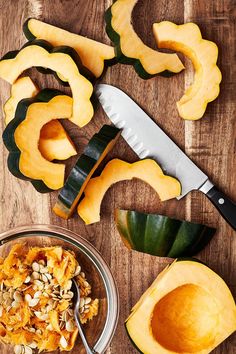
225 206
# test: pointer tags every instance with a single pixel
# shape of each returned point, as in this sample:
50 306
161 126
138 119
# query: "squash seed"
28 297
18 349
37 294
17 296
87 300
63 342
35 275
82 302
28 350
34 302
1 310
35 267
70 326
33 345
77 270
27 279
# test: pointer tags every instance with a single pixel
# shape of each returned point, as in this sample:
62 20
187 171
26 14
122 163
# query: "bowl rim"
95 257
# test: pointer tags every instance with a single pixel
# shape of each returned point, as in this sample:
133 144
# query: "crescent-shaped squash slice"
188 40
37 53
94 55
187 309
129 47
117 170
54 142
22 135
97 149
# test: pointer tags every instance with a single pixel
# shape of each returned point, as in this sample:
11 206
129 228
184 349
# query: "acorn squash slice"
54 142
117 170
22 134
37 53
96 150
187 309
188 40
160 235
129 47
94 55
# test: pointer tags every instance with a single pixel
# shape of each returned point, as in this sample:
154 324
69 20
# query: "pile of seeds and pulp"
36 299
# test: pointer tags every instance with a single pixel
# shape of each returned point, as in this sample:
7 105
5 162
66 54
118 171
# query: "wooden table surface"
210 142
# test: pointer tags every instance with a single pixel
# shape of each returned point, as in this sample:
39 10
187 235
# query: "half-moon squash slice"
117 170
94 55
129 47
22 135
37 53
54 142
188 40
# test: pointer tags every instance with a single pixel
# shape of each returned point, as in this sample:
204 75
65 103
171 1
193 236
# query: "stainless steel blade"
147 139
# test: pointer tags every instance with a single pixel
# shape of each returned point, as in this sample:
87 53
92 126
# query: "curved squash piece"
96 150
160 235
93 54
129 47
22 88
188 303
117 170
188 40
37 53
22 135
54 142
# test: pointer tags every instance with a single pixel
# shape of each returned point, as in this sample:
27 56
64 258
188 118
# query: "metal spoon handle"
84 340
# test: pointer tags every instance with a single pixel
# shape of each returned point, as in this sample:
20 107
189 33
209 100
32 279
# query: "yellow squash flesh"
117 170
92 53
32 164
54 142
188 40
187 309
34 55
131 45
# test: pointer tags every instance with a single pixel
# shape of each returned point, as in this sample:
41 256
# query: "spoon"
77 319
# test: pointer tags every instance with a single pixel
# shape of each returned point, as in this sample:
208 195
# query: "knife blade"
147 139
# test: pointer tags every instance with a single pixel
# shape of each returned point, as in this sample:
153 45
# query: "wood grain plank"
208 142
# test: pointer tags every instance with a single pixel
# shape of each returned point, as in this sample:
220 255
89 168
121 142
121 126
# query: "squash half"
94 55
22 135
117 170
129 47
54 143
40 54
187 309
188 40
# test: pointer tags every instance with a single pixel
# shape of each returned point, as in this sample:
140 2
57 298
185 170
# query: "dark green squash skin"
75 56
86 163
162 236
121 58
8 136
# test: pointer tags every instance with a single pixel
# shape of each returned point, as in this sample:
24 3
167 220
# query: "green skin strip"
86 162
160 235
121 58
9 141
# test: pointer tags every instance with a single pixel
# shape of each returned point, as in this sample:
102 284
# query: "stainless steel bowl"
100 330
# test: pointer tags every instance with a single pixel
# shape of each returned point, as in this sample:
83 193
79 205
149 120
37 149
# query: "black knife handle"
225 206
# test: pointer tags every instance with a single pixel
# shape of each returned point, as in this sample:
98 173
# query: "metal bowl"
100 330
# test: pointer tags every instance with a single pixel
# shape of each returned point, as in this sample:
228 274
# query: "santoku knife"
147 139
